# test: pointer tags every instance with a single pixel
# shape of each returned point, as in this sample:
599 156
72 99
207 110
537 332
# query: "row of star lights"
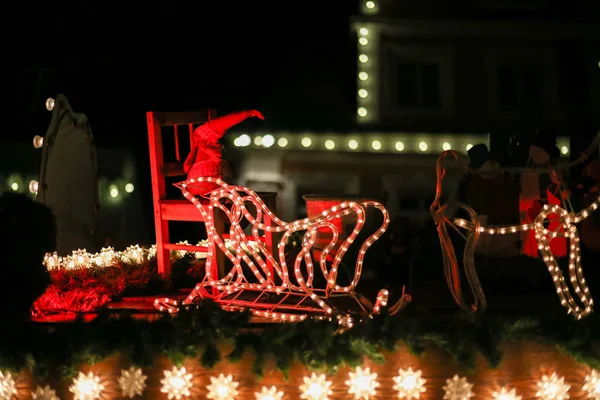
362 385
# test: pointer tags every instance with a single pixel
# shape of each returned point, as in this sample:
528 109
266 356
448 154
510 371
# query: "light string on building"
263 264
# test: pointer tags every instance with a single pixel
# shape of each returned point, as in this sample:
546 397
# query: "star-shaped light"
132 382
44 393
222 388
552 388
505 394
315 387
176 383
409 384
362 383
458 389
591 385
86 387
8 386
269 394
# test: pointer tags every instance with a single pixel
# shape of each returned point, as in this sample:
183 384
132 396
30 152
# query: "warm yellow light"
376 145
399 146
268 141
363 31
370 5
306 141
329 144
282 142
469 147
446 146
362 112
352 144
363 76
34 186
114 192
564 150
129 188
258 140
50 104
242 141
14 186
363 58
423 146
38 141
363 41
363 93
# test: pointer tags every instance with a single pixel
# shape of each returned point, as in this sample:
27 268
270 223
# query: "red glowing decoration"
204 159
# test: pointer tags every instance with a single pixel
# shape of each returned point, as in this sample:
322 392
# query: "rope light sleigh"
580 303
278 293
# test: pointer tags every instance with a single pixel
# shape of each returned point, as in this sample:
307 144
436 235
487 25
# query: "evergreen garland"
319 345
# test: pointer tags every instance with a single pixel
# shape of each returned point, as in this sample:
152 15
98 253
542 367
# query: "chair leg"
163 256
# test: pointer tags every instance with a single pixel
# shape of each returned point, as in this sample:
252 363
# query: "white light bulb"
329 144
363 93
423 146
242 141
129 188
114 192
282 142
268 141
50 104
376 145
363 58
362 112
306 141
564 150
469 147
258 140
370 5
363 31
446 146
399 146
38 141
14 186
363 41
352 144
34 186
363 76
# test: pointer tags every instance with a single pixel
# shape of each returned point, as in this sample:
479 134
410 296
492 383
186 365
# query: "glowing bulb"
316 387
329 144
363 93
505 394
50 104
399 146
446 146
422 146
33 186
282 142
352 144
242 141
469 147
268 141
14 186
306 141
363 31
370 5
363 41
258 141
129 188
362 112
114 192
362 383
38 141
86 387
363 76
564 150
363 58
376 145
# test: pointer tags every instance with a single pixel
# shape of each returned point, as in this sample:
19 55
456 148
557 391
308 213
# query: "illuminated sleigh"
552 222
273 291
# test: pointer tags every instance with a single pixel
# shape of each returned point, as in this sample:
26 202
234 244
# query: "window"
519 87
418 80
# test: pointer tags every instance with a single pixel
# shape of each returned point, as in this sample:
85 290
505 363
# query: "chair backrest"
176 123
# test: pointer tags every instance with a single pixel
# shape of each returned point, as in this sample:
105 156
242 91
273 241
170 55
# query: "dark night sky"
293 61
